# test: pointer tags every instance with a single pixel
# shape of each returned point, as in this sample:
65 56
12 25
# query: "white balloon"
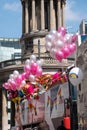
31 78
31 62
33 57
48 46
9 80
52 32
27 62
58 35
67 38
11 76
48 38
59 44
53 52
23 83
39 62
15 73
75 76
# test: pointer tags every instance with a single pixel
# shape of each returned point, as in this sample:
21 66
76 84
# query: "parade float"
40 96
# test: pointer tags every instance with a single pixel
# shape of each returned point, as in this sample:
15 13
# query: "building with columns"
38 18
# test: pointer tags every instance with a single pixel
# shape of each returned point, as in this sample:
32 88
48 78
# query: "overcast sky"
11 21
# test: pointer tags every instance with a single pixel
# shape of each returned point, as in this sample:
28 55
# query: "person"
61 127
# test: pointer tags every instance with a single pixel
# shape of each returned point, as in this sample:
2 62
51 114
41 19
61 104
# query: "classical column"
59 13
23 16
51 15
4 111
42 15
33 16
63 19
26 17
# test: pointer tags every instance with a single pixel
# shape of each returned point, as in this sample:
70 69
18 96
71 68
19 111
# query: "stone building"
81 62
82 87
38 18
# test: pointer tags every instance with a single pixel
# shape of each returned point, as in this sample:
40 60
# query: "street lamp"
70 95
74 77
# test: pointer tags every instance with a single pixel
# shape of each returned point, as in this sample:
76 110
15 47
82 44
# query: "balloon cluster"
20 86
42 84
59 44
32 68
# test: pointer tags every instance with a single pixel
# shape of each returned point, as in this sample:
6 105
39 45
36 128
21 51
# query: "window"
29 45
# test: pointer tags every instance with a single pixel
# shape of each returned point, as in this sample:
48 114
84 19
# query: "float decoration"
24 86
59 44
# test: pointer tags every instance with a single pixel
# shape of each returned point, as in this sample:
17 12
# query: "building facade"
82 89
38 18
83 27
82 63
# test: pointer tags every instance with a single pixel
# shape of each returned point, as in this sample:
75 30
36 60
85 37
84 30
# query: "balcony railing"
47 61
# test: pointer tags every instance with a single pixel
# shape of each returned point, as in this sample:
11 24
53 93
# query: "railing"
48 61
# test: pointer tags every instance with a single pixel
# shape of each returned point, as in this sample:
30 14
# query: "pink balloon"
39 72
27 75
27 68
34 67
74 45
74 38
6 85
62 30
66 52
72 48
23 76
18 80
59 55
13 85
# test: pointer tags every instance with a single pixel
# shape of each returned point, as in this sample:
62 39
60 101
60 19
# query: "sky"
11 17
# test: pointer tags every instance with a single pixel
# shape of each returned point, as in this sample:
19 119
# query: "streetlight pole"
70 96
73 103
70 99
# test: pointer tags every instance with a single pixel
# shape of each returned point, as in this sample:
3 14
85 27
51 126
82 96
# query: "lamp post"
70 98
74 77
